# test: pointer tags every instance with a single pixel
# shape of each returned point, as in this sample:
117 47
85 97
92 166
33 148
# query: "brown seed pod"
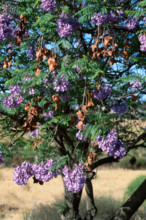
133 98
110 52
5 64
90 94
21 17
27 107
80 125
18 41
90 103
74 119
112 61
84 109
81 115
87 166
56 98
98 87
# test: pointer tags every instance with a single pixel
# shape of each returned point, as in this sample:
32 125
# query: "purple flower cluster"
31 52
136 85
62 84
48 115
99 18
112 145
32 91
6 27
49 5
142 39
79 136
74 179
34 133
119 107
9 47
41 172
14 100
131 23
1 156
103 93
22 173
66 25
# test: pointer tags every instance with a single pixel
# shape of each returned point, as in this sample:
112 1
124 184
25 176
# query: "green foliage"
132 187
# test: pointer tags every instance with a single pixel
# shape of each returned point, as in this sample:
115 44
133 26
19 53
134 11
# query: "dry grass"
17 200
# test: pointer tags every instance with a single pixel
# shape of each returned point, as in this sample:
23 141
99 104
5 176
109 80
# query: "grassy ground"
17 201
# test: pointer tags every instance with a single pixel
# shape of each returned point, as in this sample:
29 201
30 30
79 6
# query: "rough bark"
90 205
72 200
132 204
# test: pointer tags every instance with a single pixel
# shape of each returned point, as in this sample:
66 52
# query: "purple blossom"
74 179
143 47
51 114
34 133
22 173
14 100
99 19
79 136
142 38
136 85
103 93
119 107
113 16
112 145
6 27
61 84
66 25
49 5
32 92
43 171
131 23
48 115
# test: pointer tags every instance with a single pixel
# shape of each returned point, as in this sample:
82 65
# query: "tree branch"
132 204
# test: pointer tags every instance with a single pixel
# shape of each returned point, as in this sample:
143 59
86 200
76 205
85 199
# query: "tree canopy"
71 82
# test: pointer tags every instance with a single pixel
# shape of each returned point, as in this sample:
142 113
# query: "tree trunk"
72 200
132 204
90 205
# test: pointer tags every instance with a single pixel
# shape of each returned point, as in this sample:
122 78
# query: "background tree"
72 75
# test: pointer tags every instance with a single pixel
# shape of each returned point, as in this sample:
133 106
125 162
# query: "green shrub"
139 164
132 187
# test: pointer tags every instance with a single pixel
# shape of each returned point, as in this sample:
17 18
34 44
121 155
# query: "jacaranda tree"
71 83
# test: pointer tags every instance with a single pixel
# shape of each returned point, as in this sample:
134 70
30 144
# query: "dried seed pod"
81 115
5 64
74 119
90 103
56 98
21 17
18 41
90 94
80 125
98 87
84 109
9 63
25 20
110 52
133 98
126 55
112 61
